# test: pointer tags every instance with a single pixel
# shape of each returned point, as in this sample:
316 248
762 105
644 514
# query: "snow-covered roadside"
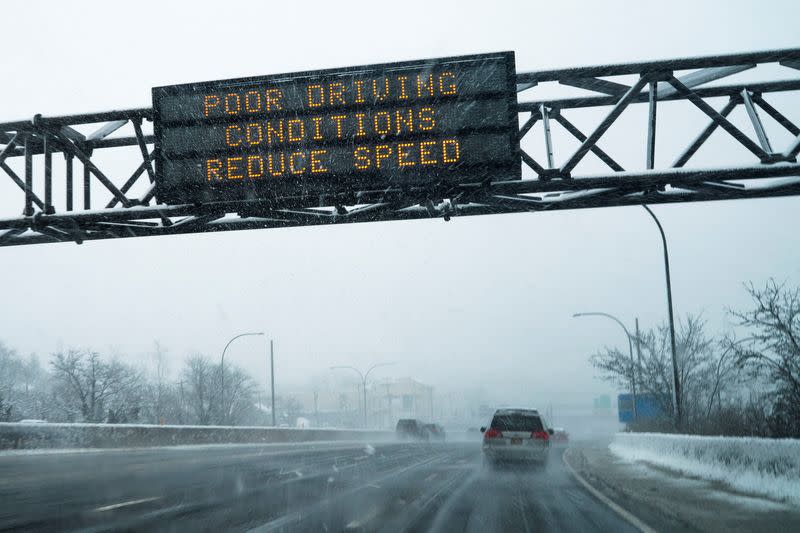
768 467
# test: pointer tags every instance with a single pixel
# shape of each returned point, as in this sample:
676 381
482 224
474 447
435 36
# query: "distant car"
411 429
516 435
435 431
560 437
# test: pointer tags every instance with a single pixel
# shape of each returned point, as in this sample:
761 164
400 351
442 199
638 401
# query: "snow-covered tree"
774 351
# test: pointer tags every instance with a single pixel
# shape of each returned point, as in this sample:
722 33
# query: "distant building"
391 400
341 403
602 406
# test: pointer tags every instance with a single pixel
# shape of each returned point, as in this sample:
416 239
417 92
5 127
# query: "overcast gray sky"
474 301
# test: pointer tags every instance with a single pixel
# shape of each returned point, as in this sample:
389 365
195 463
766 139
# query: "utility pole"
316 408
183 404
430 391
638 344
272 378
389 403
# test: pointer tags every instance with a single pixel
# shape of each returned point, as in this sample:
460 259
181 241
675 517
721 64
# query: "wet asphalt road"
390 487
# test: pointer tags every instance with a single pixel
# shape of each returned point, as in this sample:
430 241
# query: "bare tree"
5 410
11 370
201 392
24 386
289 408
160 389
774 322
703 369
239 396
204 394
91 386
721 374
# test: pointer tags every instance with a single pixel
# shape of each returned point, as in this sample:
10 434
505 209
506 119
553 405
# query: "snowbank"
47 435
768 467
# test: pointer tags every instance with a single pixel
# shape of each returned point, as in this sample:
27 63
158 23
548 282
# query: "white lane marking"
641 526
124 504
285 520
431 476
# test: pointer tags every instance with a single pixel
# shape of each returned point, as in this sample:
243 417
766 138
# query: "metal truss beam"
110 210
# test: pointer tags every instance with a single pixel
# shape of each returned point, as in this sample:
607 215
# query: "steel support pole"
48 175
651 126
364 390
69 192
547 140
87 187
676 385
28 210
758 126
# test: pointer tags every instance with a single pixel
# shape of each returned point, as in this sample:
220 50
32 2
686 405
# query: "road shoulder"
667 501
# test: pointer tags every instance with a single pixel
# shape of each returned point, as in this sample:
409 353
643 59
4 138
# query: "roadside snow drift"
768 467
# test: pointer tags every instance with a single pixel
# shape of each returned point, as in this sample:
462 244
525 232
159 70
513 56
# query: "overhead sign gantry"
434 138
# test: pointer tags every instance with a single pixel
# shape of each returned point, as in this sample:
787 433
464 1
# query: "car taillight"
492 433
540 435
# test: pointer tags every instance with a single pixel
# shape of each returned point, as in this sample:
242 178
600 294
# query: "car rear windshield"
517 422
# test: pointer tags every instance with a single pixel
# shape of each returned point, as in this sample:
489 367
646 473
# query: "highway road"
388 487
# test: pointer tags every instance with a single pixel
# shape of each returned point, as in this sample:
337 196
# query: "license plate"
516 440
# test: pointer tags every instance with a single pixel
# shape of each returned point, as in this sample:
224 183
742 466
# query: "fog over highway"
248 247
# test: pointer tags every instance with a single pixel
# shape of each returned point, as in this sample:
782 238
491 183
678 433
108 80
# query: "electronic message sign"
412 124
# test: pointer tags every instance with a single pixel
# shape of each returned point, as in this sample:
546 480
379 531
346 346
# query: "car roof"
516 411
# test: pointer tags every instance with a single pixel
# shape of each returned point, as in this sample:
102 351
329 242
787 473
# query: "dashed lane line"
124 504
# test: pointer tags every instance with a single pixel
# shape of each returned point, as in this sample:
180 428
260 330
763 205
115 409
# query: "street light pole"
676 384
638 345
222 368
630 350
363 376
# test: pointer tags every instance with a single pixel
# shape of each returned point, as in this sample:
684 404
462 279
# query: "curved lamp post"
222 367
676 384
630 350
363 376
